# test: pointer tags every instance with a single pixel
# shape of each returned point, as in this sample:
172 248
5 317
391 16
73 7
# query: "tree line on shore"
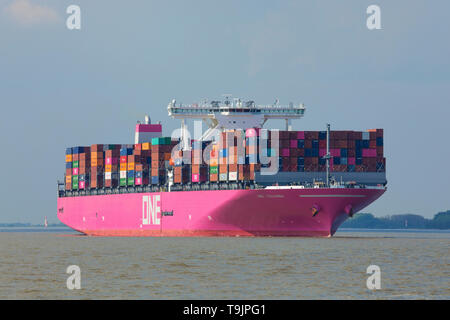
441 220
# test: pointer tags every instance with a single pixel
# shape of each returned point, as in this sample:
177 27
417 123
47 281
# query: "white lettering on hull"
150 210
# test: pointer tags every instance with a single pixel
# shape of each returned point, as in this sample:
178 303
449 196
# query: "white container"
108 175
123 174
366 135
232 176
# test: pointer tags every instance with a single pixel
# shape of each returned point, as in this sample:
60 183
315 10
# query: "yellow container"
108 168
146 146
123 167
68 179
130 166
68 158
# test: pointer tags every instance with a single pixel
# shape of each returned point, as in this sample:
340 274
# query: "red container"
294 144
285 152
335 152
323 144
379 151
379 133
301 135
123 159
369 153
322 152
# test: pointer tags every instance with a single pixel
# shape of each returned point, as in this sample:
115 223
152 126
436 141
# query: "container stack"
84 164
97 167
234 157
160 157
123 167
112 160
199 169
68 175
141 158
214 163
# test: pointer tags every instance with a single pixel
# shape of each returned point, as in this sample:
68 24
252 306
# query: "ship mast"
328 156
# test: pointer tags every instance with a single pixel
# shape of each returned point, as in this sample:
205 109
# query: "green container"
74 185
75 164
161 140
213 169
123 182
75 179
131 181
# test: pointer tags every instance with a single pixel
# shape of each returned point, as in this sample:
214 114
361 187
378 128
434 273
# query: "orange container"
68 158
130 166
146 146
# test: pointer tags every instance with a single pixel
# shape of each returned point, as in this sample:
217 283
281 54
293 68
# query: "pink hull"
285 212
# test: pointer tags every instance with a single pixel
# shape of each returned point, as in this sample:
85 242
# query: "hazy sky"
61 87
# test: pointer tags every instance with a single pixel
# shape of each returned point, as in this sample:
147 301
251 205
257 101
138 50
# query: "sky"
62 88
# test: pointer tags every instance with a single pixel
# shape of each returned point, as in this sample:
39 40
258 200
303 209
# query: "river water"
413 264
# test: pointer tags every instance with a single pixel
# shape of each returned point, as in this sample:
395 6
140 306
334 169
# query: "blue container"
139 174
130 174
351 168
366 144
223 153
155 180
308 153
68 165
301 144
252 158
380 166
336 160
379 141
358 153
68 150
300 161
76 150
343 160
322 135
82 177
322 161
300 168
315 144
343 152
315 152
358 161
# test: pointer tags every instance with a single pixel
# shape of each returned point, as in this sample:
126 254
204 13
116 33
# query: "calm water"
414 265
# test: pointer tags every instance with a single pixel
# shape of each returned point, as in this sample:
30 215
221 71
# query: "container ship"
236 178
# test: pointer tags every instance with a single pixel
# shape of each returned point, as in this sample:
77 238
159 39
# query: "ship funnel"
147 119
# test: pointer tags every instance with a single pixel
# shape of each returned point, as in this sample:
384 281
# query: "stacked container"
69 164
235 157
84 164
112 165
123 166
160 157
199 171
